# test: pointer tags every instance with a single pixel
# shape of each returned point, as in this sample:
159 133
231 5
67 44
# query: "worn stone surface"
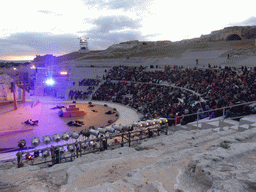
197 160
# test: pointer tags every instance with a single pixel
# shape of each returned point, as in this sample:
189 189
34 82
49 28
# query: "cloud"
48 12
112 23
248 22
117 4
105 32
44 11
112 30
32 43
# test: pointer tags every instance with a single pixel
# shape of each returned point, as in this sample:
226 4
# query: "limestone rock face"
227 168
231 33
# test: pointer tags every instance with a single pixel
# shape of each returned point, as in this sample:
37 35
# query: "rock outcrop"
228 166
231 33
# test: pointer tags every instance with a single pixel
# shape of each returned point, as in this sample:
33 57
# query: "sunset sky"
33 27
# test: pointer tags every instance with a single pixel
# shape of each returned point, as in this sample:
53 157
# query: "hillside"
74 55
229 38
161 50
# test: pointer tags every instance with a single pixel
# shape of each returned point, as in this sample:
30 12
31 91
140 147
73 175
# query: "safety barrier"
220 110
84 147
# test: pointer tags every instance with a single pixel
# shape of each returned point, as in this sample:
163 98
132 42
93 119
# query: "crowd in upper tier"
218 87
89 82
124 73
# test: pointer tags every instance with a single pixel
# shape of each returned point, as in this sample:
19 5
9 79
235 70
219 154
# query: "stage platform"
50 123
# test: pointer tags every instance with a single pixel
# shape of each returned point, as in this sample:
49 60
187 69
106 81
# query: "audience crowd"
218 87
89 82
124 73
82 95
79 95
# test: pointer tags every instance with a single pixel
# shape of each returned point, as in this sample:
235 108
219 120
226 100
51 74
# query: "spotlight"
149 122
71 148
143 123
35 141
158 121
83 146
164 120
56 137
102 130
124 127
46 139
61 149
45 153
94 132
74 135
22 144
117 127
110 129
65 136
85 133
50 82
28 157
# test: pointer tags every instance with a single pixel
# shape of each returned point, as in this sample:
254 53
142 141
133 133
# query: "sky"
36 27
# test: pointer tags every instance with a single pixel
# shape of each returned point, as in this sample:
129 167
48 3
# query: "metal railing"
223 110
127 137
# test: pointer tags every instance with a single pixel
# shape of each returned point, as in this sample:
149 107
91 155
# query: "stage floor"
49 121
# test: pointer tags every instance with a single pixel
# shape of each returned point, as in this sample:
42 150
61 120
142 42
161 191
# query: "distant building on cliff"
83 45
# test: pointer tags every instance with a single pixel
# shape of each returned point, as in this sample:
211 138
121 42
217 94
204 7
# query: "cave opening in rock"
233 37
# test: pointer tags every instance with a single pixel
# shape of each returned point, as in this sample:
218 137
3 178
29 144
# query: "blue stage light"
50 82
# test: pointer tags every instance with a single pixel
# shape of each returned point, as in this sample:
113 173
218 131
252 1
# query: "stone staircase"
202 54
234 59
95 89
219 124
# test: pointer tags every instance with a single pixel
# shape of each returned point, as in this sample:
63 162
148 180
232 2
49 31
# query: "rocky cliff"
231 33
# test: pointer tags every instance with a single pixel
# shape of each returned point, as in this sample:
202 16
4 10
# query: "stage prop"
71 111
